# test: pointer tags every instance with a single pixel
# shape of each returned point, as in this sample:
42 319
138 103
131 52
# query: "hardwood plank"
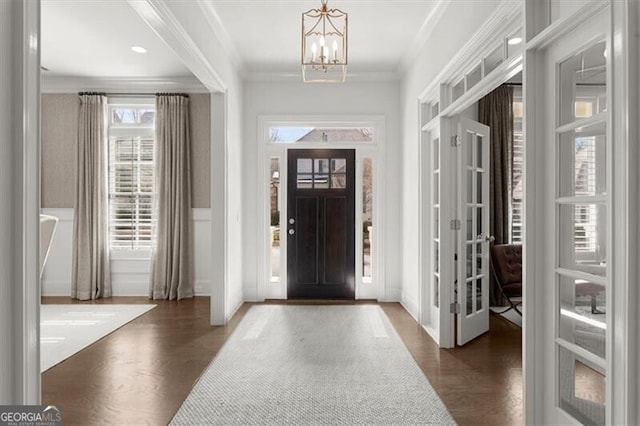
141 373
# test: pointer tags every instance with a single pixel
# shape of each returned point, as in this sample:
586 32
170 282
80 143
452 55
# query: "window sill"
130 254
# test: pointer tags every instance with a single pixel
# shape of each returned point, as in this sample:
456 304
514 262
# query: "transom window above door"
298 134
322 173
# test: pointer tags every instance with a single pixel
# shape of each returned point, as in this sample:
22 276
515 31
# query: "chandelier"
324 45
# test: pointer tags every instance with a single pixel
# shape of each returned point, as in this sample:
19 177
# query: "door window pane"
339 181
583 162
305 181
583 80
295 134
582 388
583 318
321 181
338 165
583 238
321 166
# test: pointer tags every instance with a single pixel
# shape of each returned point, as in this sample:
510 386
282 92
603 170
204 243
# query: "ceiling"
92 38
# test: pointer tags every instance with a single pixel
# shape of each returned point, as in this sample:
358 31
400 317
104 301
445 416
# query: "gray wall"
59 139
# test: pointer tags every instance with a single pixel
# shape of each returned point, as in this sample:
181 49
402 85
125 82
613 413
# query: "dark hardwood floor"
141 373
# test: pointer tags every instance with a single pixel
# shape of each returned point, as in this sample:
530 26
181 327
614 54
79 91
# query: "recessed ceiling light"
138 49
515 40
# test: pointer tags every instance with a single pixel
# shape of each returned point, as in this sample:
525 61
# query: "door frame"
375 288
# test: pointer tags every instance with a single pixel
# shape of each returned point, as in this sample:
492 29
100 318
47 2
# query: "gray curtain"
496 111
90 274
172 261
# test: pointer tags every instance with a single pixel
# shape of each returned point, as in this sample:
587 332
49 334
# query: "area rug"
308 365
67 329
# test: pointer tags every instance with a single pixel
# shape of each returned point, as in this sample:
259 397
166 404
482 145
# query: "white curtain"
91 277
172 261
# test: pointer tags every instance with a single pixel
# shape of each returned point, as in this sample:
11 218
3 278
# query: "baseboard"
410 307
63 288
234 311
393 294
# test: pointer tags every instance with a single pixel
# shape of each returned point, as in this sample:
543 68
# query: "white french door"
570 227
472 275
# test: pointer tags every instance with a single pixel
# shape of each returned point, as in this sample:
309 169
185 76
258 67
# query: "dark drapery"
496 111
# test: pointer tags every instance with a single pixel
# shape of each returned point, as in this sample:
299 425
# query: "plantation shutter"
131 190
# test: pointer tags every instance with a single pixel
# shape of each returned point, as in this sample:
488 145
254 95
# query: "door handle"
292 231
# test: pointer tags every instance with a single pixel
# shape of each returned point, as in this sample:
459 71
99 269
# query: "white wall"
459 22
297 98
129 277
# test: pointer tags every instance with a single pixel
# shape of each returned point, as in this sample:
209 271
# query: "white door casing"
366 288
472 283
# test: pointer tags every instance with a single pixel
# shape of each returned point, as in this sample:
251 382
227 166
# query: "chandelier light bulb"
314 52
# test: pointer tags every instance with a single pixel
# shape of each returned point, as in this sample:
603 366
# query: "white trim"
625 396
157 14
563 26
261 74
504 20
60 84
19 215
219 29
220 313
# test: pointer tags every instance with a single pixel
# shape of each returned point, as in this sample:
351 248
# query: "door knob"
292 231
490 238
292 221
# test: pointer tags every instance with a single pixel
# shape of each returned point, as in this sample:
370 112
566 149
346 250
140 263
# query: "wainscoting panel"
129 276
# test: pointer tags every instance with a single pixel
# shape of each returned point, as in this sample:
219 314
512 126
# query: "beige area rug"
67 329
313 365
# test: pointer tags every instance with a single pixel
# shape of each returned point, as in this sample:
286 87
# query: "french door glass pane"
583 79
583 318
581 388
583 162
583 238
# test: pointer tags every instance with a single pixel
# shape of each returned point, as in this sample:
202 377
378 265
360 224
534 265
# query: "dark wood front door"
321 224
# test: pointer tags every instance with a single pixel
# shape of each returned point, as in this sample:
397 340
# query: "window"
296 134
515 213
131 173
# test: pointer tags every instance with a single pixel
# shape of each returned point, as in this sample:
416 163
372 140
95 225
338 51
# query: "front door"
321 224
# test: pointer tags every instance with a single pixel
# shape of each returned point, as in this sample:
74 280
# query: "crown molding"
506 18
423 35
221 33
69 84
292 74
